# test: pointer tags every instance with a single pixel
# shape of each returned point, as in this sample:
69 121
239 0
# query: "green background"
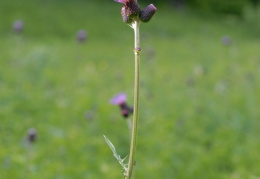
199 108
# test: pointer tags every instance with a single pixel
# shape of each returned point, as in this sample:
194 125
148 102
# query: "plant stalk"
129 124
137 50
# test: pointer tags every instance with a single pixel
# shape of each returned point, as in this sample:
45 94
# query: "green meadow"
199 98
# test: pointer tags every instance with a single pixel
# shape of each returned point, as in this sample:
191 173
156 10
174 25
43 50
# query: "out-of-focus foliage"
220 6
255 2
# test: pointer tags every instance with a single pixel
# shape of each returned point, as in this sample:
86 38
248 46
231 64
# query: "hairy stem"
131 162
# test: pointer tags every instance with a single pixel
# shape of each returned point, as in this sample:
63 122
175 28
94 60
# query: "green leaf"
112 147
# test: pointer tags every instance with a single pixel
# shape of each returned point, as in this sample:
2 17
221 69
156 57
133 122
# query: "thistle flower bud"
138 49
126 110
126 19
130 10
125 113
147 13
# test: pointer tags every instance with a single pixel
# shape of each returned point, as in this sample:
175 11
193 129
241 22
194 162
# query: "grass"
199 110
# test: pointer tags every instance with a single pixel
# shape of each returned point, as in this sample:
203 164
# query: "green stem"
129 124
131 162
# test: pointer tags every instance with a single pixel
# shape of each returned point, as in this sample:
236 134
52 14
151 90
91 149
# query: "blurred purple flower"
120 100
89 115
31 135
226 40
18 26
81 36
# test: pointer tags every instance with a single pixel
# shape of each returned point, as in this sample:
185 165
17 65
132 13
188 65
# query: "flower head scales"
147 13
130 11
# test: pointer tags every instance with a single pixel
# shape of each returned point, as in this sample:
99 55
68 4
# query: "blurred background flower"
31 135
81 36
18 26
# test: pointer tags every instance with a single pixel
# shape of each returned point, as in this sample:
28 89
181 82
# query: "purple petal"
118 99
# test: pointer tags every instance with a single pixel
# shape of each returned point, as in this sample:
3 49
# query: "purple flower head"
226 40
118 99
126 19
130 11
147 13
31 135
81 36
18 26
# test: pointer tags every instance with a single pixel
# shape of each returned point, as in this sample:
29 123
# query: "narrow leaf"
112 147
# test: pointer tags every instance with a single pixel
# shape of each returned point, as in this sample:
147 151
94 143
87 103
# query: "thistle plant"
133 15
